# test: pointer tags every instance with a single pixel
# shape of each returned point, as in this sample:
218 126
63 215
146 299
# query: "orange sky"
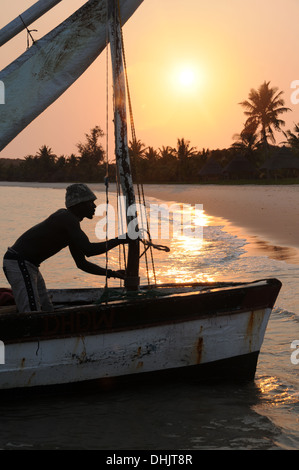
224 47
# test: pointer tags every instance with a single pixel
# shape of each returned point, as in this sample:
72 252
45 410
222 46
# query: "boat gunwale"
106 318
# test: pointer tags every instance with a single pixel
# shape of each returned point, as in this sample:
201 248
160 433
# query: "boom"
52 64
25 19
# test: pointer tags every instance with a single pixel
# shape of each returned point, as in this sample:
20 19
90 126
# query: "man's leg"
22 276
44 297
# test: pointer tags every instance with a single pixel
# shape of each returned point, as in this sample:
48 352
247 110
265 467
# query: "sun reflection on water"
274 394
172 274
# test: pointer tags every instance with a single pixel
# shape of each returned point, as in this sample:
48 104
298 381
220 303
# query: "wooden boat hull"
216 332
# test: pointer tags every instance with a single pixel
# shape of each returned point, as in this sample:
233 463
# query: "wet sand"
268 216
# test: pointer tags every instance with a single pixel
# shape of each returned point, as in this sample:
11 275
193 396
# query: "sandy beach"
270 214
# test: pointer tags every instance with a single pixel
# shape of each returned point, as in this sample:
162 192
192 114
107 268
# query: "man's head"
80 199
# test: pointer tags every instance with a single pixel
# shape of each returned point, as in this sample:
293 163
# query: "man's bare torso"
48 237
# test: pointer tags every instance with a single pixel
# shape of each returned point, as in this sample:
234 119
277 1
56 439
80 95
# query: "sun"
186 77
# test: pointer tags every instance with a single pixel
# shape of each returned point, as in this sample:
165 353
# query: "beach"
267 215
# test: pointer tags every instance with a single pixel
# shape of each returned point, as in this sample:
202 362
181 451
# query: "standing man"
21 261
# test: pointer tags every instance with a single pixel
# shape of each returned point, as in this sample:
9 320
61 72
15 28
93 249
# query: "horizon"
188 69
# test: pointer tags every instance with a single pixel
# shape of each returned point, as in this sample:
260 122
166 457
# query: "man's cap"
76 193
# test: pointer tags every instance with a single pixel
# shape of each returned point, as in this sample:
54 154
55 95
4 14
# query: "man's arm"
80 240
92 268
101 247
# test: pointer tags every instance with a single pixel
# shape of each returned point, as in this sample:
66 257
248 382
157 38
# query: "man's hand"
124 238
120 274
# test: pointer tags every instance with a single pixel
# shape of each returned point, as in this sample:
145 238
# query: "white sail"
26 19
46 70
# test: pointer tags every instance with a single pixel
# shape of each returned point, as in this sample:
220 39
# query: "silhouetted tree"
166 165
184 151
263 108
247 144
136 152
167 153
91 154
293 138
72 168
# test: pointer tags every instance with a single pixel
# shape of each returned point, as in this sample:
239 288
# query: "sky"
189 65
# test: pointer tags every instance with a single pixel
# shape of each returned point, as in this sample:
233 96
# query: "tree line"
263 110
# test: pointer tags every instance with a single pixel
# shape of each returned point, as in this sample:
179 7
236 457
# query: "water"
262 415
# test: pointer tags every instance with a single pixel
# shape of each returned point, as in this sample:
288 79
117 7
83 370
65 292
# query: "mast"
121 141
26 19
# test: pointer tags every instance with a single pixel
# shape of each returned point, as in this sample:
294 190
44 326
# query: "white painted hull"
137 351
174 346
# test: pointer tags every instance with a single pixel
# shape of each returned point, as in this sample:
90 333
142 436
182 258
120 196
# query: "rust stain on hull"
30 378
250 324
199 349
250 329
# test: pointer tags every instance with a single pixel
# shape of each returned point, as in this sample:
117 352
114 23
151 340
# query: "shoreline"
267 216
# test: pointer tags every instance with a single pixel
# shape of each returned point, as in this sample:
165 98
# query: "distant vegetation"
253 155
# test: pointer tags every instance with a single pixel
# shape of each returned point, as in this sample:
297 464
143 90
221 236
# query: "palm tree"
72 167
167 163
136 149
151 155
293 138
167 153
263 108
247 143
184 151
72 160
45 163
136 152
45 153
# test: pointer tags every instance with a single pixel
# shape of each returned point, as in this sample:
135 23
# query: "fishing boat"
186 331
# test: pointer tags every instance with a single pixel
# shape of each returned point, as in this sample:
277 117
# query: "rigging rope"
134 141
106 179
29 31
148 244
